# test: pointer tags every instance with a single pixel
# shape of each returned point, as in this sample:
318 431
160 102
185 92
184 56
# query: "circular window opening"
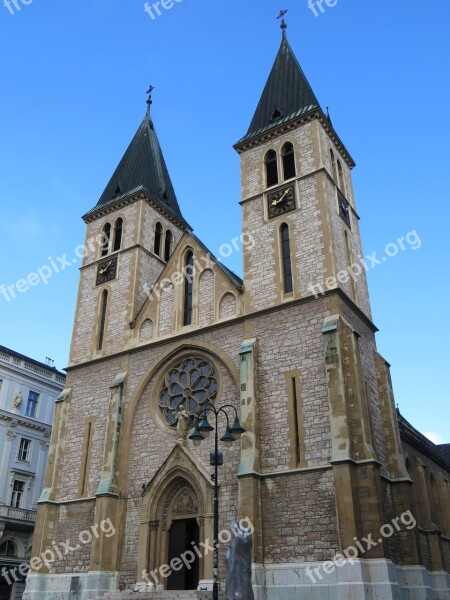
190 385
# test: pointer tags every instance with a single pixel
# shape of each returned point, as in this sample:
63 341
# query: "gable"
216 293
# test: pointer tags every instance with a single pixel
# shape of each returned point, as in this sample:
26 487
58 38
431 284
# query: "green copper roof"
287 94
142 168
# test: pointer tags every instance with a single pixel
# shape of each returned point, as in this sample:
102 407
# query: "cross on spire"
149 99
283 25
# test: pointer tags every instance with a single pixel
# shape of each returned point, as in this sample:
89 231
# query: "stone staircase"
162 595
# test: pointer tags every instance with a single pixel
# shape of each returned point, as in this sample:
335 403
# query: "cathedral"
344 497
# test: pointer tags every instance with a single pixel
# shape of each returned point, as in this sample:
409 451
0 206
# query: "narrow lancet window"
333 166
168 245
118 228
188 286
341 177
104 306
106 234
158 239
286 258
271 168
288 155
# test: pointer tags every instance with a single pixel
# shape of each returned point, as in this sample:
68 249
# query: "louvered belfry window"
168 245
286 257
106 234
288 161
158 239
271 168
118 227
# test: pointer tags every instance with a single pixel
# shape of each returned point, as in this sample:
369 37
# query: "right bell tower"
297 196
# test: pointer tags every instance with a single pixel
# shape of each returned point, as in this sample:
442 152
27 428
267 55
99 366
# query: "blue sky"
74 76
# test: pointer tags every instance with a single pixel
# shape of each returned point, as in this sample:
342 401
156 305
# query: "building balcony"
17 515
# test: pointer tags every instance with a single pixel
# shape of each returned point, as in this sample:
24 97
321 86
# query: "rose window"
187 387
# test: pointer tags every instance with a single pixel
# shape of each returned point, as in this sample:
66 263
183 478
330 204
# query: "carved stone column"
105 552
48 511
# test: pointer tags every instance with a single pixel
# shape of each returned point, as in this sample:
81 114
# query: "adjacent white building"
28 391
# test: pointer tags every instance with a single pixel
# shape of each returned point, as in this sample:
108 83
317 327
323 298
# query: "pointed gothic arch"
146 330
180 490
181 349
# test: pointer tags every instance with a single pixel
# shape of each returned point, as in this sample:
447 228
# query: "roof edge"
32 361
140 193
316 113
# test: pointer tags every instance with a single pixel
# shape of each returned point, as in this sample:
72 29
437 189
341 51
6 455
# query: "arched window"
271 168
158 239
168 245
286 257
8 548
333 166
106 234
104 306
288 155
118 228
341 177
188 285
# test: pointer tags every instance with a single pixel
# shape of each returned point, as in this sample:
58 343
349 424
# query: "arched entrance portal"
176 518
184 539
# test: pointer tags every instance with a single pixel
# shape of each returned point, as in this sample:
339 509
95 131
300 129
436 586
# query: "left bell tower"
131 233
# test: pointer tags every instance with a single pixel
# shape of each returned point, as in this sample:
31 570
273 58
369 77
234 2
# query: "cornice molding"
131 199
313 115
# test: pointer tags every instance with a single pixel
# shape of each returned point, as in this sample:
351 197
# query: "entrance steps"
162 595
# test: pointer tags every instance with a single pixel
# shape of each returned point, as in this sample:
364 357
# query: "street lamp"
201 432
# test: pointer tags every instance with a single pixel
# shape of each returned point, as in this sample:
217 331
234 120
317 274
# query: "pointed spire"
287 93
142 168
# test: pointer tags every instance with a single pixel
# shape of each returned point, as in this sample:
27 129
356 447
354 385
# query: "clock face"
281 201
344 210
106 270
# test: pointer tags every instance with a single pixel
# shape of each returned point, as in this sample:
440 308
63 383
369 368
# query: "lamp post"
201 431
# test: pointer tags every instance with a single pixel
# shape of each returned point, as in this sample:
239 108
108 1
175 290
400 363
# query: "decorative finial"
283 22
328 116
149 99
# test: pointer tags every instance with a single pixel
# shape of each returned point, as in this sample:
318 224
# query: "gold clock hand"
106 268
275 202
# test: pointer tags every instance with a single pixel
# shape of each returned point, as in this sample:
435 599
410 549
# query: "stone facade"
321 464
